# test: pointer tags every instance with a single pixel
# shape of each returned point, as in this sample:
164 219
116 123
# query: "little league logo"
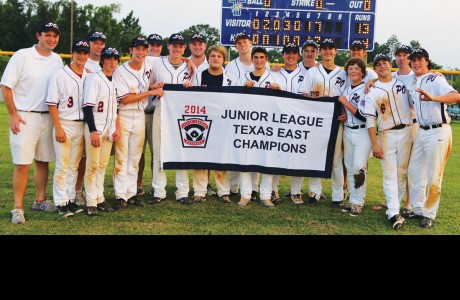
237 7
194 131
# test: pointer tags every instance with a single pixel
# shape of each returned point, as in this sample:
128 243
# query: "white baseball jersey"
401 77
354 96
229 79
129 81
264 82
429 112
302 66
319 83
370 75
389 103
165 72
99 92
93 65
28 74
65 91
238 69
204 65
290 82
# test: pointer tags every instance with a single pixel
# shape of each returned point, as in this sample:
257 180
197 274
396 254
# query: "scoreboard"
273 23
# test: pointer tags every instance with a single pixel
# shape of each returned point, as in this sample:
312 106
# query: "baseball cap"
176 38
381 56
358 43
404 48
291 47
309 43
198 37
48 26
327 42
80 46
109 52
96 35
154 39
139 41
241 35
420 52
258 50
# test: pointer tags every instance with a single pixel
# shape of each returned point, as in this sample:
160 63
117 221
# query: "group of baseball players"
79 113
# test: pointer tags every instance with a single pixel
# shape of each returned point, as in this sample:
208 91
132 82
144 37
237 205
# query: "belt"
148 112
34 111
357 126
414 121
77 120
428 127
400 126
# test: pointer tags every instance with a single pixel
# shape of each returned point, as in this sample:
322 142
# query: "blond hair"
217 48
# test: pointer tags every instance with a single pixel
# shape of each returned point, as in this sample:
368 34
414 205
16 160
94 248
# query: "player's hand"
424 96
276 68
377 151
95 139
343 99
116 135
14 123
191 67
249 83
60 135
187 83
343 117
370 84
157 92
275 86
157 85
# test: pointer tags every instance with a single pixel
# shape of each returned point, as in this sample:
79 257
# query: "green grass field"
215 218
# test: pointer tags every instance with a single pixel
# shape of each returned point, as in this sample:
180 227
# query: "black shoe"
155 200
105 207
397 221
64 210
140 191
136 202
427 222
276 198
233 194
122 204
74 208
152 191
254 196
412 216
288 195
312 198
92 211
185 200
337 204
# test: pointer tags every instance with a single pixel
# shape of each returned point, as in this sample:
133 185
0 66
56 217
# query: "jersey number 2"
100 106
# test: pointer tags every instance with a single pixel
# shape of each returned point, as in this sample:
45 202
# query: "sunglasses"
110 51
97 35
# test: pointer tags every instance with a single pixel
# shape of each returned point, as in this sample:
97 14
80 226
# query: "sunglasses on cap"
110 51
97 35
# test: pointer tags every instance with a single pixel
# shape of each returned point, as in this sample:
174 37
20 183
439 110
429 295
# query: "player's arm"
89 117
370 84
190 64
59 131
116 135
351 108
131 98
376 149
449 98
15 119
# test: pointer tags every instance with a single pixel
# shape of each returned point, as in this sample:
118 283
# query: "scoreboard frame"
273 23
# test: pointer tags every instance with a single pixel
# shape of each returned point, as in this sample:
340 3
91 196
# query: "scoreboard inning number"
273 23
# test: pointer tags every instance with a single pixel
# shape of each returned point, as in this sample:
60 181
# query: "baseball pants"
68 156
222 182
337 178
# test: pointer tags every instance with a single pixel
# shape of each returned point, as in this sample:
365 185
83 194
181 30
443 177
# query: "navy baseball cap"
419 52
48 26
139 41
109 52
381 56
96 35
404 48
176 38
309 43
259 50
198 37
358 44
291 47
327 42
80 46
155 39
241 35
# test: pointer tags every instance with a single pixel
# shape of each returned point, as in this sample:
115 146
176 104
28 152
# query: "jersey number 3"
70 102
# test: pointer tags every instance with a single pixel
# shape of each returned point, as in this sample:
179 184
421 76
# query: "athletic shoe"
355 210
337 204
185 201
254 196
199 199
80 198
297 199
140 191
243 202
136 202
210 191
74 208
312 198
105 207
225 199
122 204
412 216
427 222
155 200
43 206
276 198
267 203
92 211
397 221
64 211
17 216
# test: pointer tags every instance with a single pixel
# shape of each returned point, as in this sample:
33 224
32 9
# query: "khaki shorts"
34 141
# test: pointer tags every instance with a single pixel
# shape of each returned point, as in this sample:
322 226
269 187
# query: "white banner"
248 129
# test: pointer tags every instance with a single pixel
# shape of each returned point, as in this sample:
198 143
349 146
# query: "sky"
432 23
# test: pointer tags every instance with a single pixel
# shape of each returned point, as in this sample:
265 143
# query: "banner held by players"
248 129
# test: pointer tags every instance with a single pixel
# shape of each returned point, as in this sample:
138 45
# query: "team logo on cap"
51 24
177 37
194 130
237 6
155 37
328 41
82 43
197 36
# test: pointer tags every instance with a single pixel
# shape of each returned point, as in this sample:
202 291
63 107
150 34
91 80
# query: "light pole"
71 25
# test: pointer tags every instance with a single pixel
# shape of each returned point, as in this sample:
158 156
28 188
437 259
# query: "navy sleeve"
359 116
89 117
